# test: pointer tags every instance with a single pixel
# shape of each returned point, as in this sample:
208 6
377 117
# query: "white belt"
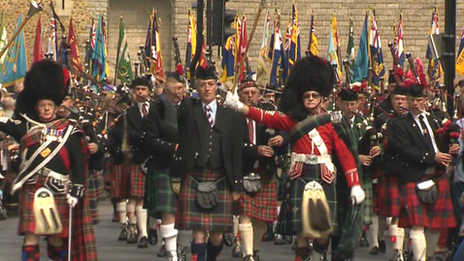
311 159
52 174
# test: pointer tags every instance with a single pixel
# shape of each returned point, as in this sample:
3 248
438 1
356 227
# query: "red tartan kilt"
387 196
108 171
26 212
261 205
190 216
437 216
137 181
119 182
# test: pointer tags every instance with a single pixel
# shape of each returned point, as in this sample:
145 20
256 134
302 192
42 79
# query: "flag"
3 39
350 54
74 49
53 49
295 50
191 42
263 59
15 66
124 68
332 56
361 66
376 55
38 45
398 44
435 69
156 63
336 41
98 54
105 48
312 45
460 59
277 52
284 64
228 55
241 51
150 39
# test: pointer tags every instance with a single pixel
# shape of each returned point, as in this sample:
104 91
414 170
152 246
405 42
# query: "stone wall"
173 13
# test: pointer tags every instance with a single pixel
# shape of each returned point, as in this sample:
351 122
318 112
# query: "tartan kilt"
108 172
159 197
99 184
128 182
436 216
388 196
190 216
119 182
289 221
368 207
26 210
261 205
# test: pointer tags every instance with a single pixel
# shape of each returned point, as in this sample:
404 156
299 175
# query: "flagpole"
33 9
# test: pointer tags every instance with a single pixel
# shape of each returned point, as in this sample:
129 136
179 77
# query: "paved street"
111 250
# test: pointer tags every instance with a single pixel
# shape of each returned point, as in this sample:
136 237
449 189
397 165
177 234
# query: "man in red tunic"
310 80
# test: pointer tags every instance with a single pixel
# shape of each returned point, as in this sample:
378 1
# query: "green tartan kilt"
368 201
289 222
159 197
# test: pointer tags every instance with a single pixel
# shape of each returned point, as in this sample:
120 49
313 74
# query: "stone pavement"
110 249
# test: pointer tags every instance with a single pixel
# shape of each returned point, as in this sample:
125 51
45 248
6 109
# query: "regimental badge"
45 152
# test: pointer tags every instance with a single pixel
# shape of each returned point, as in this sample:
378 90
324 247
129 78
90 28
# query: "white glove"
72 201
357 194
232 102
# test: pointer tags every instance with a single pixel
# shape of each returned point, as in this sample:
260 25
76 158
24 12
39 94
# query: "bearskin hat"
310 73
45 80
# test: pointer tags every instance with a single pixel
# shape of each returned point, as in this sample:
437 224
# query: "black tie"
425 133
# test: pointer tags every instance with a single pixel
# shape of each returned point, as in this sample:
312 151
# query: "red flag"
72 42
38 51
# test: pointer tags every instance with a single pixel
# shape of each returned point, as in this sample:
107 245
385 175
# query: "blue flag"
15 67
376 58
276 52
361 66
98 55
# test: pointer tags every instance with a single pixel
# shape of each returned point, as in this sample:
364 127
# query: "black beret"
205 73
416 91
348 95
142 81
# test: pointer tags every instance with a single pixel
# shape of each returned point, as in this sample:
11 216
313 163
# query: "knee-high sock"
382 227
141 221
30 253
131 212
431 237
121 207
169 233
184 238
236 221
397 235
246 234
374 232
258 231
418 243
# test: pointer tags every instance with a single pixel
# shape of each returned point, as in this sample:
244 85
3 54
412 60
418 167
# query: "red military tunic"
333 142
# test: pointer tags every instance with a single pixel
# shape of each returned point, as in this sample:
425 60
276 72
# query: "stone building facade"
174 19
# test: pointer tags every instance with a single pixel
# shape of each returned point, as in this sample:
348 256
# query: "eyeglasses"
313 95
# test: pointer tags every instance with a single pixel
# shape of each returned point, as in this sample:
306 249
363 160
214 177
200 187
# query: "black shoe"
132 235
278 240
162 252
382 246
363 241
237 249
123 234
143 242
152 237
256 255
228 239
248 258
374 251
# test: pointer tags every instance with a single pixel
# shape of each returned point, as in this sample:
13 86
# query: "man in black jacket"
137 118
160 200
210 150
423 167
